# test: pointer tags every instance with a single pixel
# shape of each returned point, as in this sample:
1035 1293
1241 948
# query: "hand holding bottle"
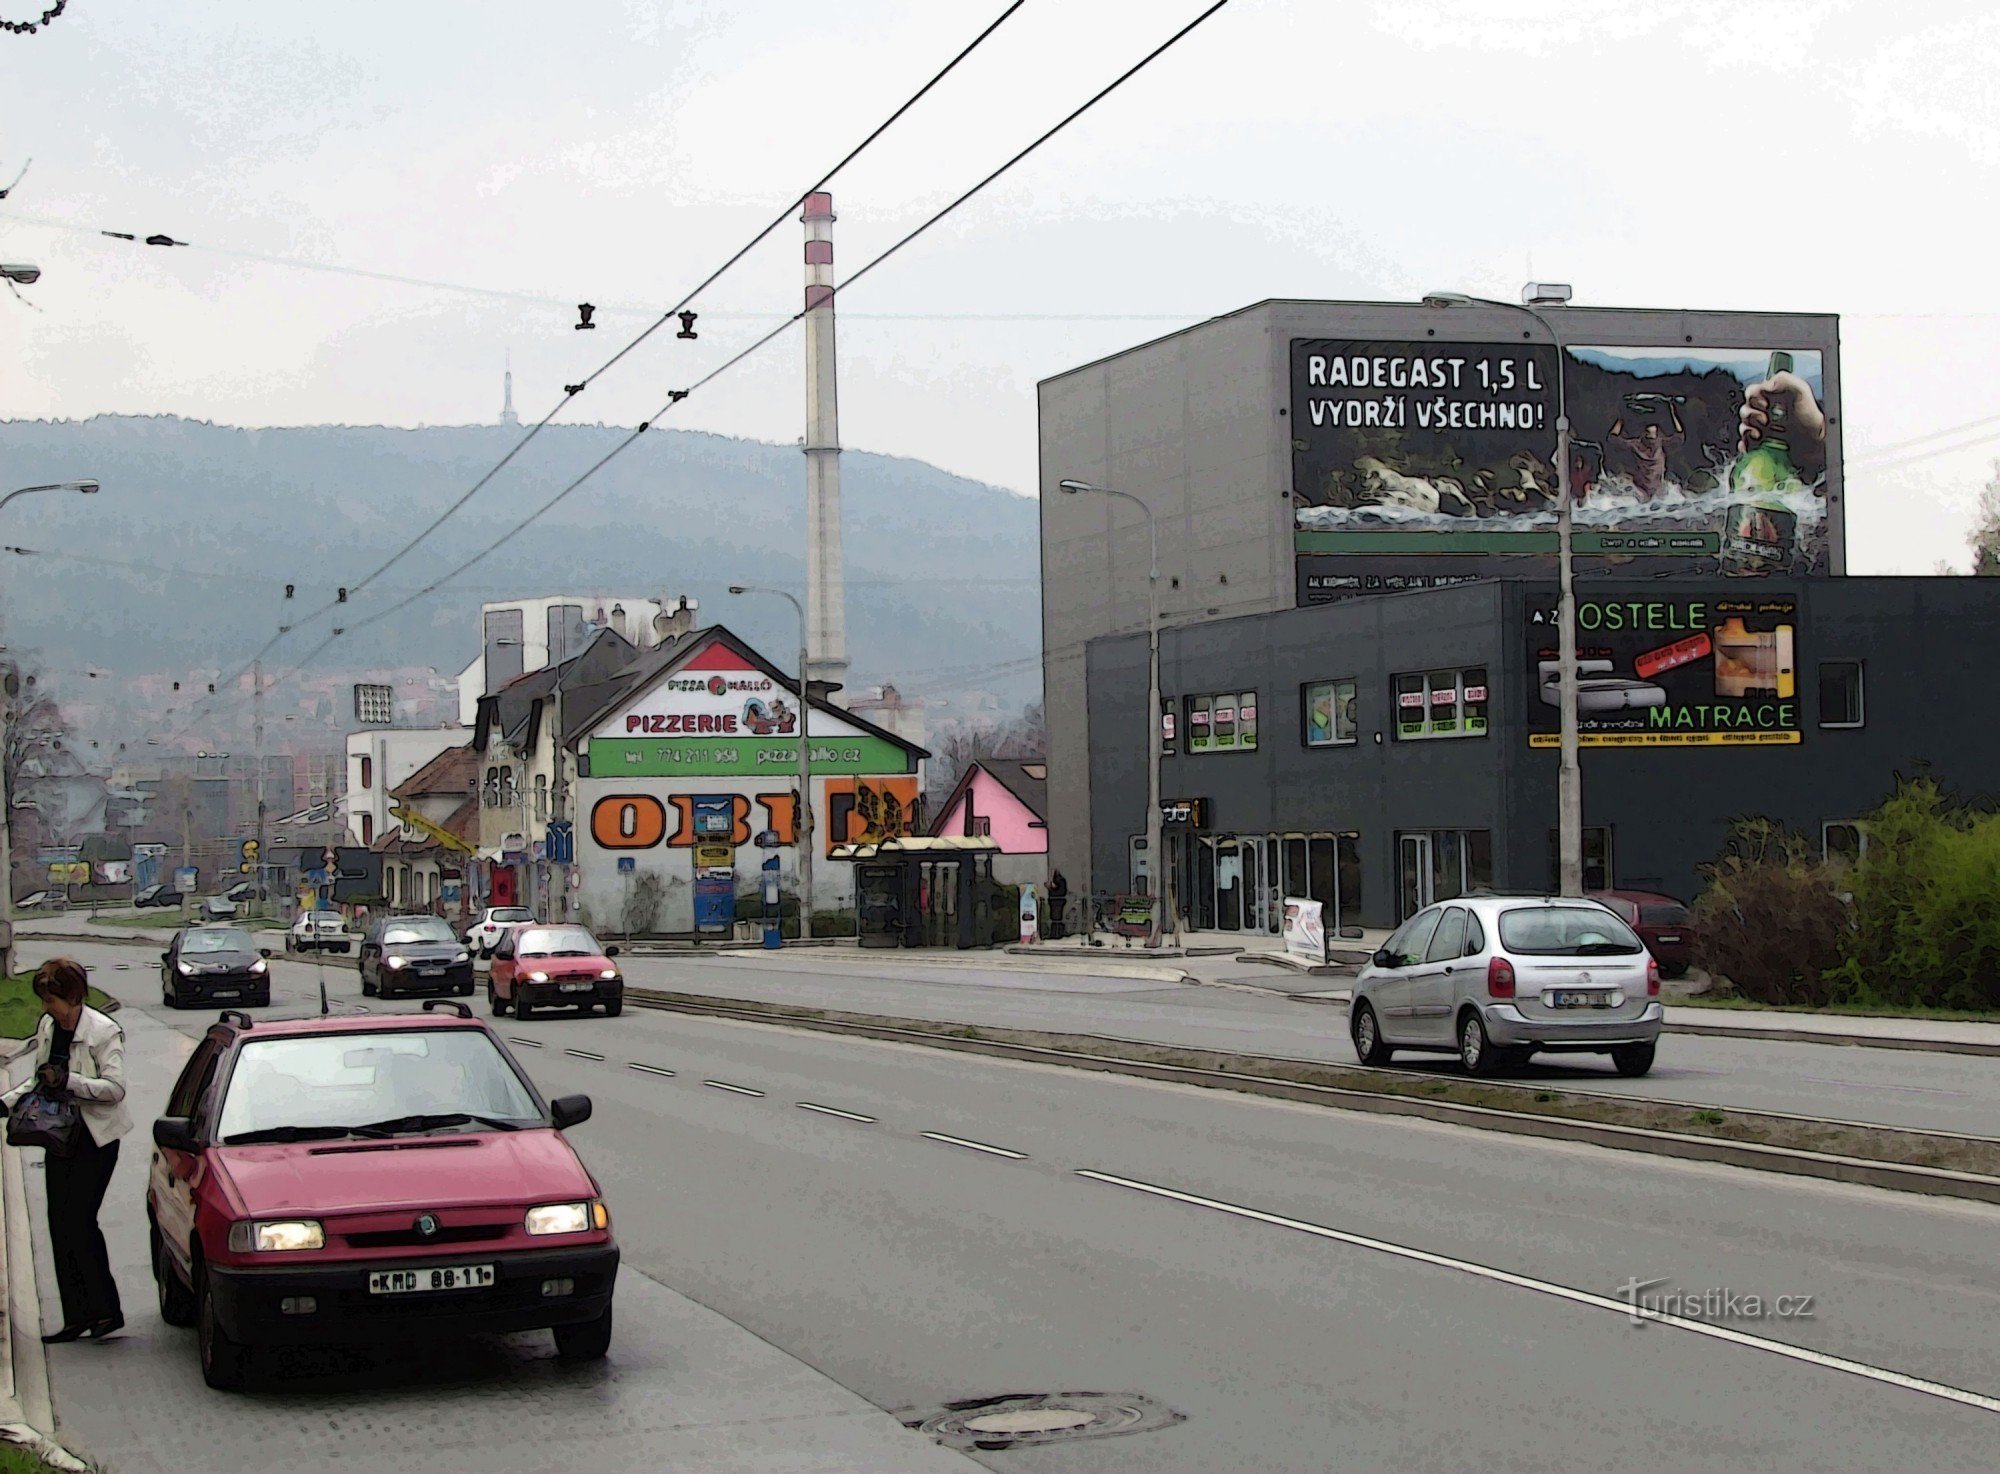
1786 400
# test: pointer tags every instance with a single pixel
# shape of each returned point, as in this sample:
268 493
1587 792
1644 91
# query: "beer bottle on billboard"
1758 528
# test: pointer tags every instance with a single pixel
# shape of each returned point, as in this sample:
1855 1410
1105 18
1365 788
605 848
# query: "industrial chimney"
826 587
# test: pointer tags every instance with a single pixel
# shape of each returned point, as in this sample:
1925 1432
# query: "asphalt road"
1305 1289
1917 1089
1936 1092
684 1388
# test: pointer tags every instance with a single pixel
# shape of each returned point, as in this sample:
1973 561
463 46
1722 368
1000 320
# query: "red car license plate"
419 1281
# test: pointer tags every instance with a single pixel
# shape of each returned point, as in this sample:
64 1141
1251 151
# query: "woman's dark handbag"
48 1121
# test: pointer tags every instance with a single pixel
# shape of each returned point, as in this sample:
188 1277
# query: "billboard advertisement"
1416 465
1671 670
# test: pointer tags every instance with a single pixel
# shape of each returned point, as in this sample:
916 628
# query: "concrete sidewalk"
1874 1031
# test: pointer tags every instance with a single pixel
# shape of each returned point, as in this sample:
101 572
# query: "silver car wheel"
1364 1032
1471 1043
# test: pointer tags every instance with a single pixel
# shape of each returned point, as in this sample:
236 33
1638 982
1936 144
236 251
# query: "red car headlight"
281 1236
568 1217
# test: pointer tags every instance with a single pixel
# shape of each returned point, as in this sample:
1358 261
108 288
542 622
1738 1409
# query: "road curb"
32 1403
1135 971
1790 1161
1848 1041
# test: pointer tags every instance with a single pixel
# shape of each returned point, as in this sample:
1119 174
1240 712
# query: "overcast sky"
1835 157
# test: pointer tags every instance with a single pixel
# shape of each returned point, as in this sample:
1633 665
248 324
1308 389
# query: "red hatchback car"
344 1181
1663 924
553 966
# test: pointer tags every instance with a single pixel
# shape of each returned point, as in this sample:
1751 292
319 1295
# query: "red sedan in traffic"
563 966
356 1180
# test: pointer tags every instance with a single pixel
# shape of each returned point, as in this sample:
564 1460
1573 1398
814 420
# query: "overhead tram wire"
706 282
718 371
679 395
659 322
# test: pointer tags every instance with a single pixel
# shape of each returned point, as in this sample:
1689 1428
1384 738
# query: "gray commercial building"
1348 792
1359 498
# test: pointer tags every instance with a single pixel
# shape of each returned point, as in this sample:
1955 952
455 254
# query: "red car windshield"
556 941
340 1084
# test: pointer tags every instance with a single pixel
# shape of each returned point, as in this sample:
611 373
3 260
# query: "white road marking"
525 1043
584 1054
737 1089
650 1070
806 1105
976 1146
1576 1297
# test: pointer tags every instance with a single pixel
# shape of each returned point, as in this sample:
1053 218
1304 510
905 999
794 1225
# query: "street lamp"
23 274
1155 863
1569 775
805 819
20 271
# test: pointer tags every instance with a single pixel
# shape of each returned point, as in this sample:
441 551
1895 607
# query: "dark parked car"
204 963
157 895
341 1181
1662 923
414 954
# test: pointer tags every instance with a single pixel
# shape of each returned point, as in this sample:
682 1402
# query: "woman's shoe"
100 1329
67 1333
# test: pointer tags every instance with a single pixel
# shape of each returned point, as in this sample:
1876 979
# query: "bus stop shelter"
926 891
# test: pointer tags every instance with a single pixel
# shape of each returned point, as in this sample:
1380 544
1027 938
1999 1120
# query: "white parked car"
319 931
1494 979
493 924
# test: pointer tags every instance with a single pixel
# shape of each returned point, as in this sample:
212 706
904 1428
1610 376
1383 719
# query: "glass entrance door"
1413 874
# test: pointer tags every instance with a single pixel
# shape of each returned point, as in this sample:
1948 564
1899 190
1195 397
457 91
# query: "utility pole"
1569 770
804 823
257 721
10 686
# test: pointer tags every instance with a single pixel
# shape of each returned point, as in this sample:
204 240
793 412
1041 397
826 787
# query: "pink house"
1007 801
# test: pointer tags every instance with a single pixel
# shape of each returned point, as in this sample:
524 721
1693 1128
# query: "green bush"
1926 909
1771 917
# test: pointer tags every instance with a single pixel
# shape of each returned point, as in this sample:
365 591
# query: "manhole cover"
1032 1420
1028 1419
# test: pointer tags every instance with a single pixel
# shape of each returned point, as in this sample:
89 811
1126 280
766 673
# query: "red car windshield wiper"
288 1133
398 1124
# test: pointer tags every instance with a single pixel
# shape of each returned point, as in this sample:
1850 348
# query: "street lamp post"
7 696
805 817
1155 862
1569 774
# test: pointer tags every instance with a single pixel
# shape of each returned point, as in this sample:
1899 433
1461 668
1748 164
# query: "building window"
1224 723
510 793
492 788
982 824
1597 870
367 771
1840 693
1167 724
1327 710
368 829
1441 865
1441 703
541 797
1843 841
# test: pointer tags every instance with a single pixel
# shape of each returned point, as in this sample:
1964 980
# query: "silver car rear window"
1566 931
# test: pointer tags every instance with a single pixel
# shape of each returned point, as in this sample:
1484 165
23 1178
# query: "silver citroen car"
1494 979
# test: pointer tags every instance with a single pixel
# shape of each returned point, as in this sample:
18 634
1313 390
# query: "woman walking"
80 1053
